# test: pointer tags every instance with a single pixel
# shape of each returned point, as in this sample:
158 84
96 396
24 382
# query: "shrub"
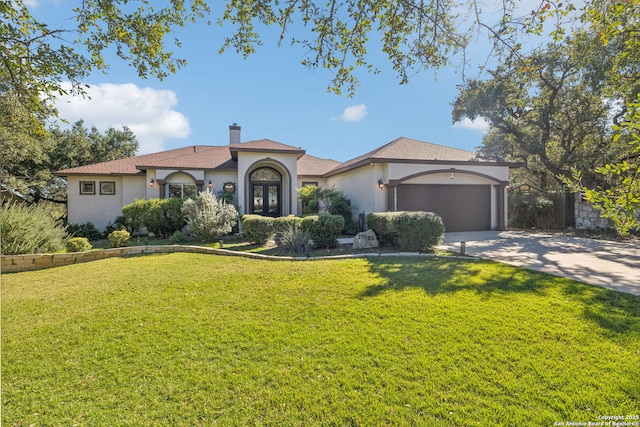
528 210
411 231
285 223
207 217
178 237
78 244
257 228
88 230
418 231
119 238
324 229
380 222
118 224
309 197
331 200
134 214
174 218
29 229
161 217
294 239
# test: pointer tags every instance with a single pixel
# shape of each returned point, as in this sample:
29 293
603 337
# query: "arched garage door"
462 207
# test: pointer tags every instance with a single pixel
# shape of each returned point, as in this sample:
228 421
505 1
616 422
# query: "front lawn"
185 339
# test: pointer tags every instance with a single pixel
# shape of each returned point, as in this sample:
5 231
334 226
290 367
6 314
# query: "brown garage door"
462 207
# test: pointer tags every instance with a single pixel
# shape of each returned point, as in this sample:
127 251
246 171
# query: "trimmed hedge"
410 231
286 223
324 229
162 217
257 228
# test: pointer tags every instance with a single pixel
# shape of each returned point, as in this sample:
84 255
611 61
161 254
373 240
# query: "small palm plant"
294 239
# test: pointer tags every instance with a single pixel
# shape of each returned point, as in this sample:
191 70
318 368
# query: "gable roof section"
202 158
264 146
406 150
314 166
130 165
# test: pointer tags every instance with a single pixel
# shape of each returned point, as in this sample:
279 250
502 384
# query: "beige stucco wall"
82 208
402 170
285 164
360 186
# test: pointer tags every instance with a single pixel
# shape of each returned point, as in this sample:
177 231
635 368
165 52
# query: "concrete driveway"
613 265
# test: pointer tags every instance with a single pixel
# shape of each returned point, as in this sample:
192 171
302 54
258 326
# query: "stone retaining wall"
589 217
17 263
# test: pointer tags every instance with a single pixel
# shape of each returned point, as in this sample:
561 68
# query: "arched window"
265 174
182 186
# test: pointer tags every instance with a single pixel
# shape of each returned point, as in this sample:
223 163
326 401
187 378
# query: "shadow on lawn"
616 312
440 276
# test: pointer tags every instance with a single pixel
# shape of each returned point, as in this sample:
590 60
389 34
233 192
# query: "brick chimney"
234 134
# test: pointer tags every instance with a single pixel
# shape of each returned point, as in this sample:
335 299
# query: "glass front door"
265 199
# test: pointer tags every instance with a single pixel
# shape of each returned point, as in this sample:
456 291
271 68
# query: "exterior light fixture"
152 183
210 185
451 176
380 184
229 187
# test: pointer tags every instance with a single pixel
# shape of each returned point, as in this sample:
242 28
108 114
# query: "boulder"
366 239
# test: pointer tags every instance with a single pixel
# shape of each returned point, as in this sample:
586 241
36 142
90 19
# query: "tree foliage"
617 25
543 112
336 35
30 154
619 197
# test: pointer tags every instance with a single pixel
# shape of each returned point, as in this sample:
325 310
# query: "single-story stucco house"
403 175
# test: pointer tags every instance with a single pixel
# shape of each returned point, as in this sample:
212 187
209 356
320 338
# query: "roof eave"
370 161
235 150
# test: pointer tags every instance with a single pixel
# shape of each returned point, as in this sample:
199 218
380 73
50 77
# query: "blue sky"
270 95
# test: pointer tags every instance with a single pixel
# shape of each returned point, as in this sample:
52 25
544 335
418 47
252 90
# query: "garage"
462 207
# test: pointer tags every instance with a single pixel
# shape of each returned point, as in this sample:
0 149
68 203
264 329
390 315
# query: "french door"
265 199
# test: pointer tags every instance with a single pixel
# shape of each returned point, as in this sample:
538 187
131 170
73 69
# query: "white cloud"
479 124
149 113
354 113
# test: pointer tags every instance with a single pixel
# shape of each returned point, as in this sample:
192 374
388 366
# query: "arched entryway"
265 192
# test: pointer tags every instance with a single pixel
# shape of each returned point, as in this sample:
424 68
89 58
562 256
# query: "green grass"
185 339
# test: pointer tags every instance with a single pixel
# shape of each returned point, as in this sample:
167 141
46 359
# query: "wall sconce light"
451 176
380 184
210 185
152 183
